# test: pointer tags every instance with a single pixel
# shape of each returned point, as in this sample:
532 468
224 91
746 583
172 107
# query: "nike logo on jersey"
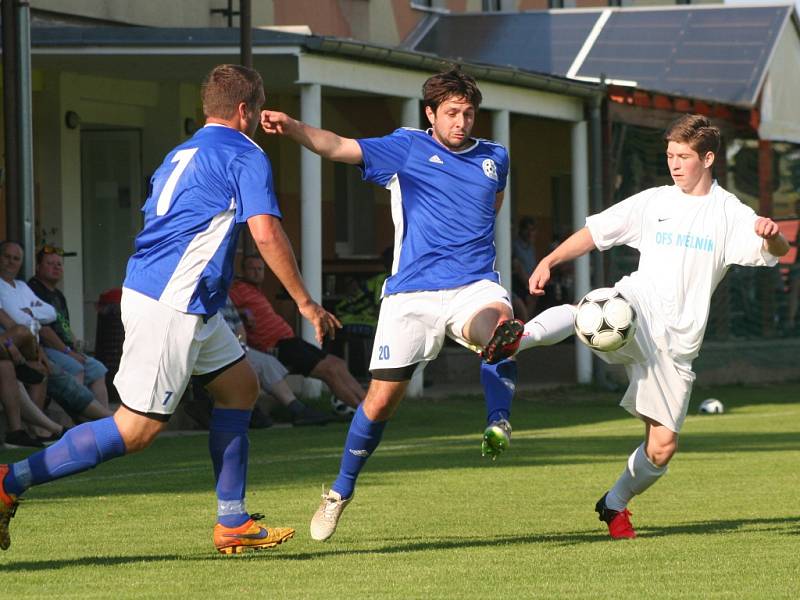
664 219
435 159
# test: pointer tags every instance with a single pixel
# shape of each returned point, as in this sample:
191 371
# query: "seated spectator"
271 377
268 332
20 306
57 337
17 404
523 262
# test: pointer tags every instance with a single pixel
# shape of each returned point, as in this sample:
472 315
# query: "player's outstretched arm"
774 242
578 244
320 141
275 249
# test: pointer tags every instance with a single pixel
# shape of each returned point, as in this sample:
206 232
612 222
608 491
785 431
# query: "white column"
580 210
311 203
410 118
501 132
410 114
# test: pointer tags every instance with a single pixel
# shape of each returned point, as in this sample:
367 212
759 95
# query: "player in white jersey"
688 235
205 191
446 188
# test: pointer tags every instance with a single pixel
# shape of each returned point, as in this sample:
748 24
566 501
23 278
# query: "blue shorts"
92 370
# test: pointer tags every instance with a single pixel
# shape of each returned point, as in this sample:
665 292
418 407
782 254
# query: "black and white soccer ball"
340 408
711 406
605 320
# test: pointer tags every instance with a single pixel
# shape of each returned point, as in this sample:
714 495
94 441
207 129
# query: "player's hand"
325 324
274 122
539 279
766 228
77 356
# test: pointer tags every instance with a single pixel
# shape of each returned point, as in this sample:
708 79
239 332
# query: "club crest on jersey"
490 169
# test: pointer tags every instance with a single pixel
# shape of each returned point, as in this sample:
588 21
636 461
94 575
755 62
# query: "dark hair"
526 222
450 84
228 85
253 256
696 131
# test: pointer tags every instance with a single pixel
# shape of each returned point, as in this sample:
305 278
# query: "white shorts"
163 348
659 386
412 325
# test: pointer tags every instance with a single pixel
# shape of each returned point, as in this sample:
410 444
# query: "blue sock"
499 382
229 448
82 448
362 439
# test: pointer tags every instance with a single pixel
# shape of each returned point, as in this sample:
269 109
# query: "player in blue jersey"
178 277
446 188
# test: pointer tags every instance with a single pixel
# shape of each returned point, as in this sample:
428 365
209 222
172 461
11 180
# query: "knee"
328 366
660 453
138 439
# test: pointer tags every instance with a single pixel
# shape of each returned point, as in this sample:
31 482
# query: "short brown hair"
228 85
453 83
696 131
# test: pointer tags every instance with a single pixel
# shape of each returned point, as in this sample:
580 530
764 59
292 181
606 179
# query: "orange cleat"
249 536
8 507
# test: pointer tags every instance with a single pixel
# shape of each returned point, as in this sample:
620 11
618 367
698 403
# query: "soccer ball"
711 406
605 321
341 409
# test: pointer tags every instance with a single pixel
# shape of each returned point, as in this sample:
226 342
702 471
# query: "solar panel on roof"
541 42
711 54
718 54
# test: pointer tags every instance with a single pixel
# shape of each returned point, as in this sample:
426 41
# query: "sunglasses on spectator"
47 249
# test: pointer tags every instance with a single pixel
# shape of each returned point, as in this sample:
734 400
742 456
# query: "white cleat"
324 522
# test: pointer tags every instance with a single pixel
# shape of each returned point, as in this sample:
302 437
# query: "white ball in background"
711 406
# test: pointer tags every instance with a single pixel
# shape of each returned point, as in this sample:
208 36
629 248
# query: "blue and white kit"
200 197
443 207
178 277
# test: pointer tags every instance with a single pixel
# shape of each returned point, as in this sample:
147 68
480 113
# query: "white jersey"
687 243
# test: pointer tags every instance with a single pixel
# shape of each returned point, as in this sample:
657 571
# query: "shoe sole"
508 333
241 549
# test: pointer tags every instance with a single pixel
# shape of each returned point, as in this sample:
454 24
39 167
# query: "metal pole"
11 134
246 33
25 124
311 202
580 209
501 132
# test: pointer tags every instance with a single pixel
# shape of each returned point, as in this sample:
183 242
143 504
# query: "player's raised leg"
645 466
493 328
235 391
548 327
363 437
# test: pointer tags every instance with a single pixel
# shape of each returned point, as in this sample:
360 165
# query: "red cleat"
504 342
618 521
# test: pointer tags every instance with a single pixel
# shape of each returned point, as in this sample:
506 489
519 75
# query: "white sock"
549 327
638 475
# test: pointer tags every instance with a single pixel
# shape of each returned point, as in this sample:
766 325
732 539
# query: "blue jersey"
443 206
200 197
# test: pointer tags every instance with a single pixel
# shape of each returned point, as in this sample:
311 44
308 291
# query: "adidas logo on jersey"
435 159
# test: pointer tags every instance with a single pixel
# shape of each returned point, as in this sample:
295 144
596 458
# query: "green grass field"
431 519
